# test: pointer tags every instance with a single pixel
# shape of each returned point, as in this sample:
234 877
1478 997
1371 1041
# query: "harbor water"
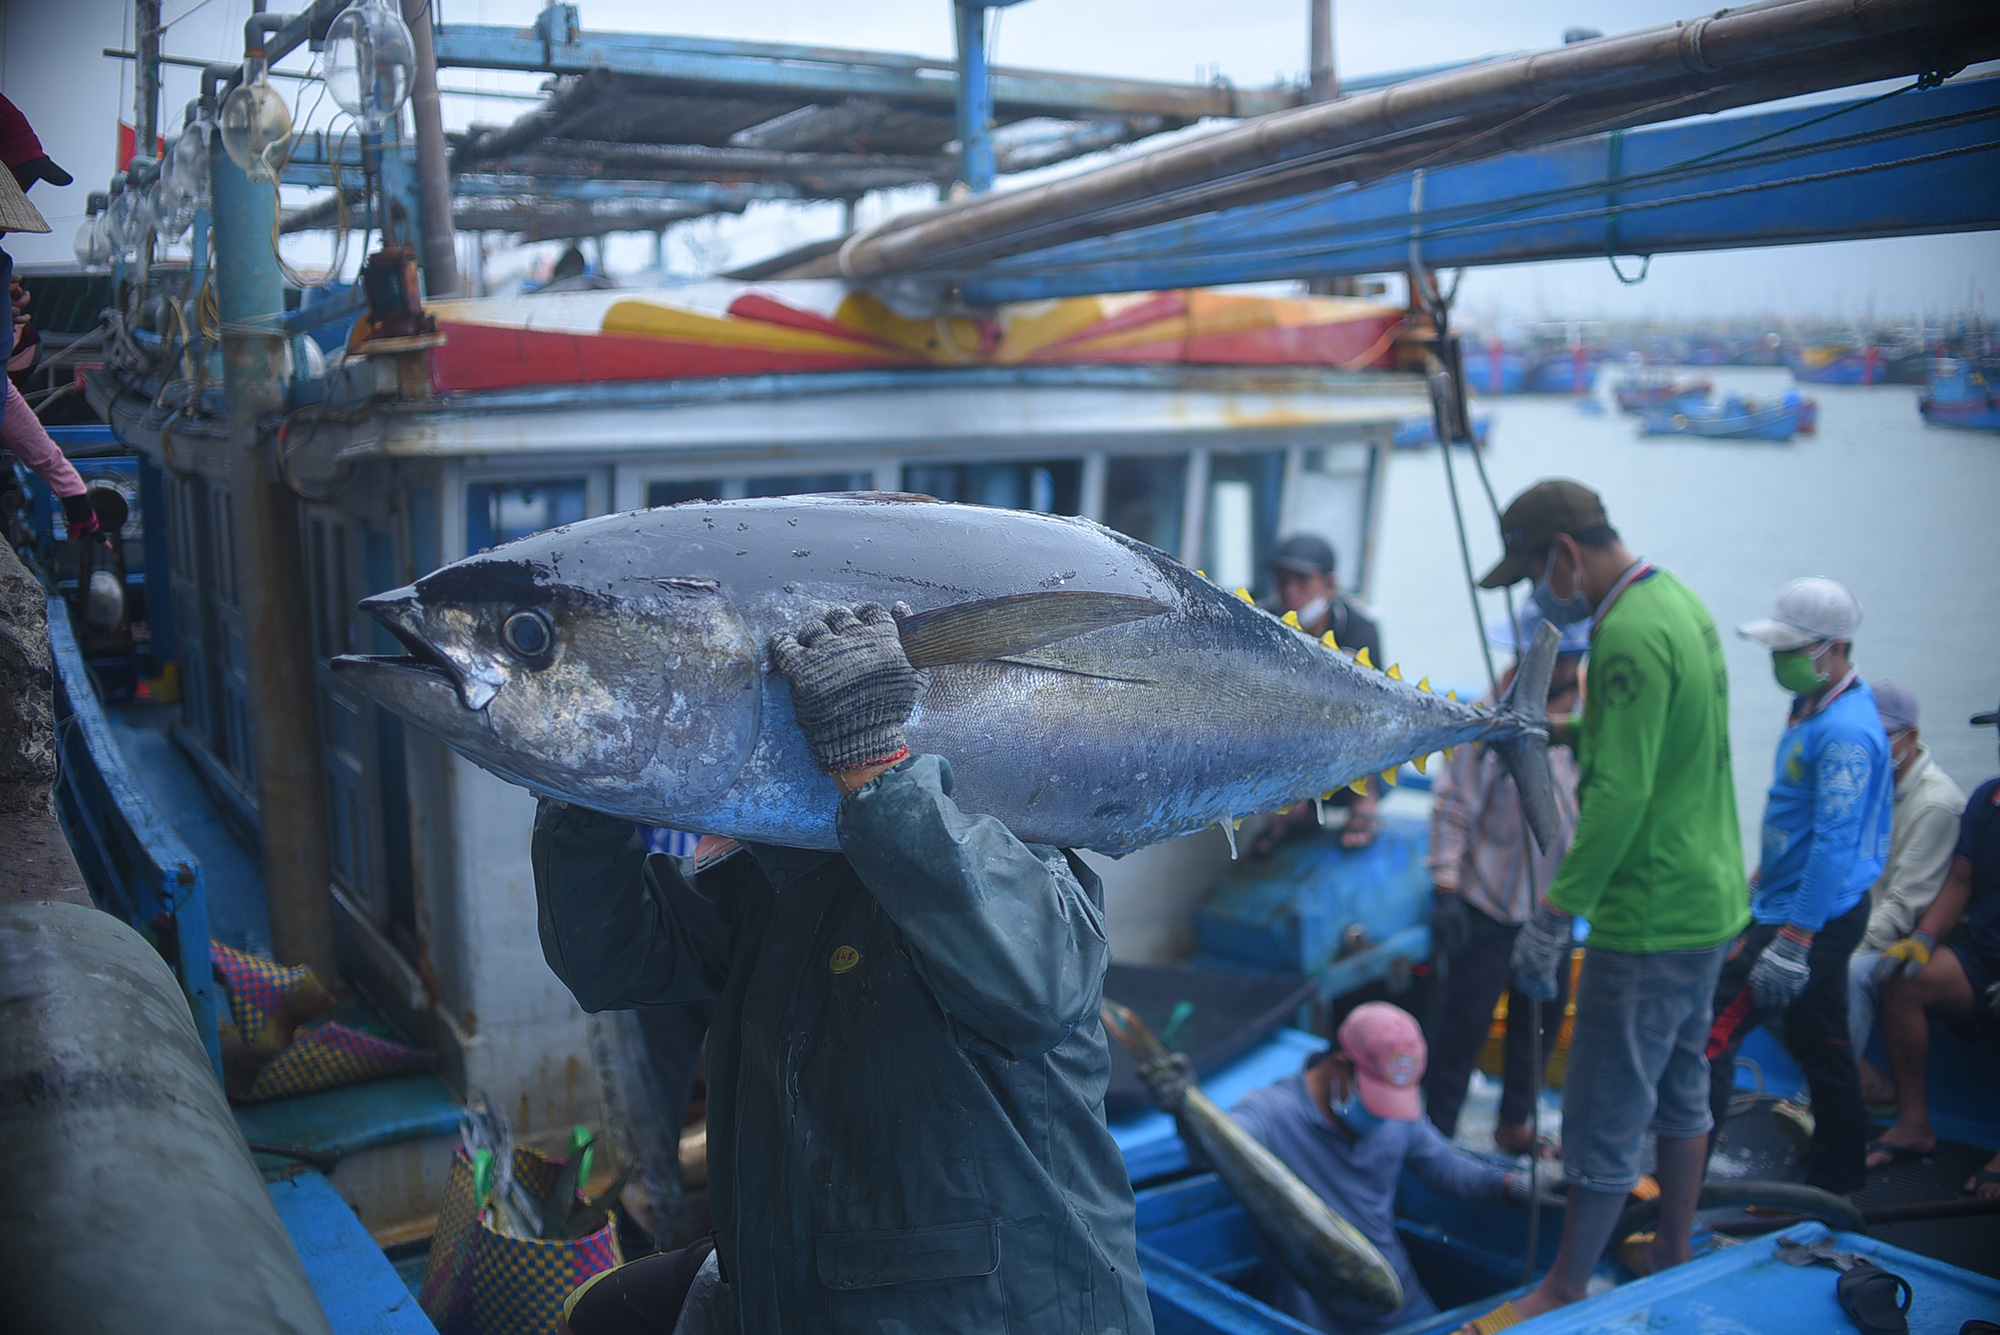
1901 512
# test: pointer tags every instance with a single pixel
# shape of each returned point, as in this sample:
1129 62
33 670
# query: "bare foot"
1985 1184
1533 1303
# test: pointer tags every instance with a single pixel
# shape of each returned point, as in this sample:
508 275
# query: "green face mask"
1797 672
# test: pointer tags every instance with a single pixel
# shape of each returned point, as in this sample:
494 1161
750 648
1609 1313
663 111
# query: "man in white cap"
1826 836
1922 833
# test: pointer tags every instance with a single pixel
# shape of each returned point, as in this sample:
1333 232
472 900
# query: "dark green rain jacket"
906 1070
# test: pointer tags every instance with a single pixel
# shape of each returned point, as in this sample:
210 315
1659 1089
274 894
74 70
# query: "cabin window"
1242 518
497 512
1051 486
805 484
1145 497
676 492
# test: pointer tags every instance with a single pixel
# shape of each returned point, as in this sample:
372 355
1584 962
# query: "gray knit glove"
1781 970
1540 948
852 687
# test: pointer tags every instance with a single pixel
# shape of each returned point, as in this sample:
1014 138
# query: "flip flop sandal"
1501 1318
1983 1178
1896 1153
1632 1254
1877 1302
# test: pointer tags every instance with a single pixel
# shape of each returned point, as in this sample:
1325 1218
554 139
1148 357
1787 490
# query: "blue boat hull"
1962 397
1774 424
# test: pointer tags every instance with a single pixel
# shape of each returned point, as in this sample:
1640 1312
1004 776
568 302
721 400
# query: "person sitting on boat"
1826 838
1306 585
1950 964
1348 1125
1656 867
906 1064
1922 833
1483 888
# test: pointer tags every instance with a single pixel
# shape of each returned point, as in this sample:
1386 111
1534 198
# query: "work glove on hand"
1780 973
1538 1183
81 517
1905 957
852 686
1539 950
1451 930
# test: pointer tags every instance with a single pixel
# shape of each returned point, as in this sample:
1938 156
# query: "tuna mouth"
397 612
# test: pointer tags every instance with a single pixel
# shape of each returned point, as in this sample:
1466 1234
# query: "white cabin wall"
1149 894
521 1036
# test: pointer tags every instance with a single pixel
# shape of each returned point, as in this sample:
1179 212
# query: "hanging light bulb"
368 60
93 246
183 184
256 124
123 223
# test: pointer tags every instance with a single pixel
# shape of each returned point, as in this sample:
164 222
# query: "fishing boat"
1839 364
1963 394
1568 371
1641 393
1494 367
1733 419
1418 430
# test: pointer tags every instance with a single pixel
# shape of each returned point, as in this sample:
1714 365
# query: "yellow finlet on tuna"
1360 785
1244 594
1395 672
1291 619
1328 640
1389 777
1362 657
1425 686
1420 762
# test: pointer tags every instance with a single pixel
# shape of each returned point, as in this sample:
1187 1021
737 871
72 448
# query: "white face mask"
1310 614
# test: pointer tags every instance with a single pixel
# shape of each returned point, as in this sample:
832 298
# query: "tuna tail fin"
1524 735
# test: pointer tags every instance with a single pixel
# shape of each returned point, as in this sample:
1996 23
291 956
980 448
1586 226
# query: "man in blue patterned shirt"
1826 835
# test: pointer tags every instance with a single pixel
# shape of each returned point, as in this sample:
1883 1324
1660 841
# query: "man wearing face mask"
1922 832
1656 867
1348 1125
1305 585
1826 836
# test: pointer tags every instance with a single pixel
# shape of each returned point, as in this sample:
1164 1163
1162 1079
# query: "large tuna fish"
1089 691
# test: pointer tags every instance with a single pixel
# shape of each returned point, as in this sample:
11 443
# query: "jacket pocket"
908 1255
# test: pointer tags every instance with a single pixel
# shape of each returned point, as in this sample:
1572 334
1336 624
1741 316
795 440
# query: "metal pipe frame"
833 74
973 103
1878 167
1622 76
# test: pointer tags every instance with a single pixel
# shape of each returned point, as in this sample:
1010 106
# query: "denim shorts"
1638 1060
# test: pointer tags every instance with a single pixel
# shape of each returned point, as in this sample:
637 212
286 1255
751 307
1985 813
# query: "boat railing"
136 865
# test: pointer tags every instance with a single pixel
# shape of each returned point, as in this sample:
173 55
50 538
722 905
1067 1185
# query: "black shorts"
1981 969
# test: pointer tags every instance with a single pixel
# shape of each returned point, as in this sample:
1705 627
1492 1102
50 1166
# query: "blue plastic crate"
1292 911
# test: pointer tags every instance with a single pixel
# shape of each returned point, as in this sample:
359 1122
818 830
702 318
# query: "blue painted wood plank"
341 1121
357 1286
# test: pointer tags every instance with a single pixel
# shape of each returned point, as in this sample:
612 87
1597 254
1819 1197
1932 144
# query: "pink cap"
1388 1052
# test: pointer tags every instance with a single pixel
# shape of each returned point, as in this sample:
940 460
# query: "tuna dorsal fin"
1014 623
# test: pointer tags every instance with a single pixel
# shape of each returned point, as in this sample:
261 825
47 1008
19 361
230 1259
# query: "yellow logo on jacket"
844 958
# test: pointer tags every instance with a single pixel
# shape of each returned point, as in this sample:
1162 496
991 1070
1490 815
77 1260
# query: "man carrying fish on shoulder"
906 1067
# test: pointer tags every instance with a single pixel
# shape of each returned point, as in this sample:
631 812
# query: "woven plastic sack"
481 1282
266 999
330 1055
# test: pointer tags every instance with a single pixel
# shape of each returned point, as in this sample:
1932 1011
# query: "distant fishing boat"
1569 371
1494 367
1418 430
1638 394
1733 419
1840 364
1961 394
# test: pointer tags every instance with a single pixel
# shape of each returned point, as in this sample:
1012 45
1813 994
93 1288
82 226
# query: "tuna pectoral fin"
1523 739
995 627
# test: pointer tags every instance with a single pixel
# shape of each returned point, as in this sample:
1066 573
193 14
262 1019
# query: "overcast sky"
49 63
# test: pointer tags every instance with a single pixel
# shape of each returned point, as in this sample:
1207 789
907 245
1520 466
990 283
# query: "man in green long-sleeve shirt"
1657 869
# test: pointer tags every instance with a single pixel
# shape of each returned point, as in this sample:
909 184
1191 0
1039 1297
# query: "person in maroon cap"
22 151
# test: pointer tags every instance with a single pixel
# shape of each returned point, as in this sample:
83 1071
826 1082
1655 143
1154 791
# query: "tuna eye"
527 635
